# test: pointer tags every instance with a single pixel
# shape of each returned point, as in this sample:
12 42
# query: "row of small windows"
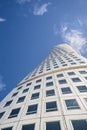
71 104
59 75
65 90
55 125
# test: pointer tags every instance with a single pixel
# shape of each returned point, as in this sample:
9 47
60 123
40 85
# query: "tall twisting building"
52 97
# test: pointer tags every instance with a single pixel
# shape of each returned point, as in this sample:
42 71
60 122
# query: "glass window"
36 87
85 78
71 73
14 113
35 96
21 99
82 88
14 94
60 75
63 81
32 109
50 92
53 125
49 77
25 90
79 124
51 106
19 88
83 72
76 80
28 127
28 84
66 90
72 104
49 84
9 128
1 114
8 103
37 81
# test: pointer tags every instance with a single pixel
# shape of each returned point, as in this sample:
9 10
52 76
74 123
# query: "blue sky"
30 28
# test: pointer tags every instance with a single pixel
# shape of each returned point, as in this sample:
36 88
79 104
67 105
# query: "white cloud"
75 38
2 19
2 85
23 1
40 10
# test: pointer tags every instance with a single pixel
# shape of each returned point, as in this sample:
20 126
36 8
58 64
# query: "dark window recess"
14 113
35 96
21 99
51 106
32 109
50 92
79 124
37 87
53 126
14 94
71 73
60 75
83 72
9 128
72 104
63 81
76 80
25 90
28 84
8 103
66 90
82 88
19 88
48 78
49 84
28 127
1 114
39 80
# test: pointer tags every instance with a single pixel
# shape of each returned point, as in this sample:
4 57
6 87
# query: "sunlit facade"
52 97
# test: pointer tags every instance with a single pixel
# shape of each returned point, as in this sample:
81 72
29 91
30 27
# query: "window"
21 99
83 72
51 106
32 109
28 127
50 92
66 90
50 77
49 84
79 124
63 81
60 75
25 90
82 88
19 88
1 114
37 81
9 128
14 113
35 96
85 99
85 78
76 80
53 126
71 73
72 104
8 103
36 87
14 94
28 84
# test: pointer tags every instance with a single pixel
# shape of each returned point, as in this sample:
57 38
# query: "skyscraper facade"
52 97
